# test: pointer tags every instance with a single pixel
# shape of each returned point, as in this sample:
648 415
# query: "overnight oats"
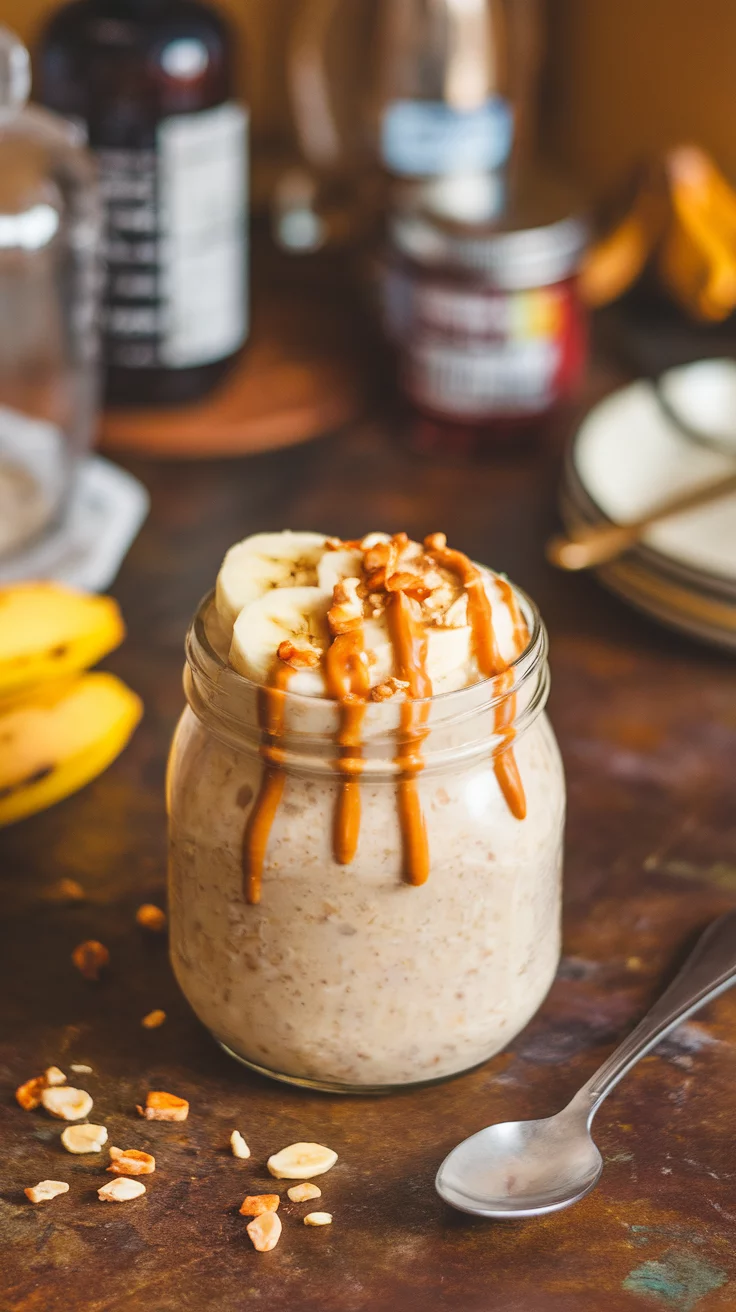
366 808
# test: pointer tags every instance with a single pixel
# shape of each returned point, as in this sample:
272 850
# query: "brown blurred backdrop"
623 77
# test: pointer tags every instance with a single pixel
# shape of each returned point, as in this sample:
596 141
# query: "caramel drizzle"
271 708
348 682
490 661
410 657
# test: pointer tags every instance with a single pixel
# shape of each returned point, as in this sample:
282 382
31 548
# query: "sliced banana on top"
297 615
449 655
338 565
262 562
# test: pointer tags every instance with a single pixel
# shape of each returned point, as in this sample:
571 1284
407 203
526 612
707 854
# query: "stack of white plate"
628 456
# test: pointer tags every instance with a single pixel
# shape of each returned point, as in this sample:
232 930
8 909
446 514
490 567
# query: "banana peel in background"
682 222
59 726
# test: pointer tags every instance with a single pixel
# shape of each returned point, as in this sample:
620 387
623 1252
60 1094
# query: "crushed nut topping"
151 917
383 692
239 1146
120 1190
84 1138
264 1231
302 657
346 612
164 1107
46 1189
257 1204
318 1218
66 1103
131 1161
90 958
154 1019
302 1193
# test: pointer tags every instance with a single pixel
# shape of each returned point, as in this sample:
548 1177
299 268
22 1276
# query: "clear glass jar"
348 978
49 285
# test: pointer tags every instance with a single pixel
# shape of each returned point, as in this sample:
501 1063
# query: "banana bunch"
59 724
683 221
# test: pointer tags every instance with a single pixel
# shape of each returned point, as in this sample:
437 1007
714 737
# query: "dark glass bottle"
151 80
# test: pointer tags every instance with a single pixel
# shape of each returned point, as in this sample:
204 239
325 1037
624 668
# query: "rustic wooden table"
647 726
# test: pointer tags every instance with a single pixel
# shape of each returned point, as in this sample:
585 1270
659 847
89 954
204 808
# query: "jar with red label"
480 299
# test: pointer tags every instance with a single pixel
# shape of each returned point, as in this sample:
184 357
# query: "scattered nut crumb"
131 1161
151 917
164 1107
300 1161
81 1070
265 1231
153 1019
238 1145
90 958
53 1076
66 1103
257 1204
45 1189
28 1095
318 1218
120 1190
300 1193
84 1138
67 890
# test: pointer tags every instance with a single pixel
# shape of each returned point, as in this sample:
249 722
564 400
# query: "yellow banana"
48 632
60 736
616 261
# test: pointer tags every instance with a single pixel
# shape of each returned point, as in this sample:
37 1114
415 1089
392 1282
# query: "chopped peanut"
301 1193
46 1189
264 1231
154 1019
80 1070
302 657
53 1075
90 958
301 1161
131 1161
318 1218
164 1107
120 1191
68 890
151 917
257 1204
239 1146
84 1138
28 1095
66 1103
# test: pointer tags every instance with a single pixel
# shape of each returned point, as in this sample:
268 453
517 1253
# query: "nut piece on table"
28 1095
79 1069
68 890
318 1218
53 1076
164 1107
154 1019
265 1231
301 1161
151 917
120 1190
131 1161
84 1138
258 1204
239 1146
45 1189
302 1193
90 958
66 1103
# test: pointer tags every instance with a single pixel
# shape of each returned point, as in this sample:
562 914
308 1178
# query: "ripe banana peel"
58 737
59 727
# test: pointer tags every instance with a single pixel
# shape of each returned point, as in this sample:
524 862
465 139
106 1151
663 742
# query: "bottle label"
176 243
427 138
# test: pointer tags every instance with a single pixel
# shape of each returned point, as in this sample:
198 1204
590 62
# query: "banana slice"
262 562
338 565
298 615
301 1161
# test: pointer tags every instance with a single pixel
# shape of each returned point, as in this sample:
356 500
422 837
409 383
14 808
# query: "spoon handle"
709 970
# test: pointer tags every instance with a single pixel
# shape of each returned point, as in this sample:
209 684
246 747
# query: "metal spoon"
605 542
528 1168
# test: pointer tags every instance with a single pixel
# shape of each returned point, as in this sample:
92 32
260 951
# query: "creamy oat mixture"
389 913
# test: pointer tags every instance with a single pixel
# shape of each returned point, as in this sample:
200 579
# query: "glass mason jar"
349 978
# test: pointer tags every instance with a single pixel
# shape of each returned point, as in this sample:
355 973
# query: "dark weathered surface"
647 725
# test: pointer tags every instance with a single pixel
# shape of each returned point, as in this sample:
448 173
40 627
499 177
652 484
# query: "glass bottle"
151 80
49 284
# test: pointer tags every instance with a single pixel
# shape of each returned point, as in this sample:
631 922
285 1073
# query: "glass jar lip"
521 666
